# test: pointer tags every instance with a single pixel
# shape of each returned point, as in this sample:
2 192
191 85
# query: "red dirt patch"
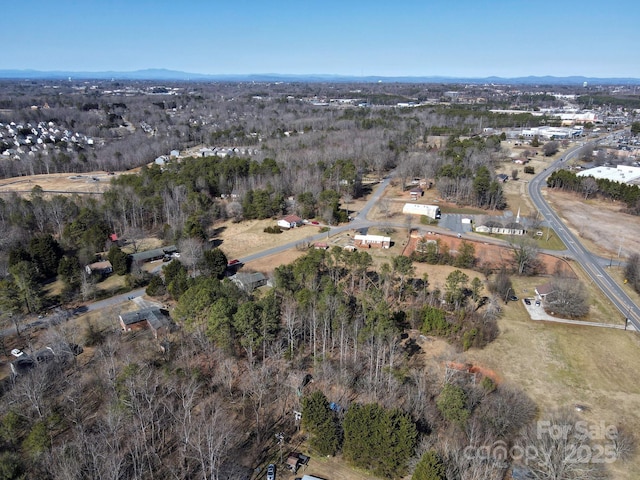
477 370
489 255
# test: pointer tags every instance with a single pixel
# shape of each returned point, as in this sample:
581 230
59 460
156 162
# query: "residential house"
151 255
207 152
290 221
155 319
249 281
543 290
368 241
99 268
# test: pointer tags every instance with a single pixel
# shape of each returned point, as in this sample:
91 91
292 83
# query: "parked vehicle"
271 472
527 301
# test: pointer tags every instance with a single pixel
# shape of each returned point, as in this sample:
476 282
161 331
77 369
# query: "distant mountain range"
163 74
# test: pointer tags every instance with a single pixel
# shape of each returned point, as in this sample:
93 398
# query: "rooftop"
620 174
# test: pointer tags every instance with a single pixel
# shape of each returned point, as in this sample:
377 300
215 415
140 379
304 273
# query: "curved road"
591 263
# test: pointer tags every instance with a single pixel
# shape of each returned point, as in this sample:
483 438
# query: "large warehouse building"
620 174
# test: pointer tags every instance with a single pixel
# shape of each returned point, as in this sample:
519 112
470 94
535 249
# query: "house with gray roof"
155 319
249 281
155 254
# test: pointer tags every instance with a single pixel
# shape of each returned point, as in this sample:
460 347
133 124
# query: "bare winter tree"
550 148
191 252
525 255
589 186
213 436
384 205
554 448
568 297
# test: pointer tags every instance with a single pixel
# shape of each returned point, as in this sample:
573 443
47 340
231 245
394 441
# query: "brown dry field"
59 183
600 224
247 237
566 365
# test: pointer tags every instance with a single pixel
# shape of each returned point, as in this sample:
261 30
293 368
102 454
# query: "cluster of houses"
220 152
29 139
223 152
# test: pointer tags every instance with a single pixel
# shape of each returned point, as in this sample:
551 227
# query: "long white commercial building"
620 174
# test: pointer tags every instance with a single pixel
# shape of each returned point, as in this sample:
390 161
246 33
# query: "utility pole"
506 297
280 438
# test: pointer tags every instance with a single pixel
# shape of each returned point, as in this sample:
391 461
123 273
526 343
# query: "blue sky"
410 38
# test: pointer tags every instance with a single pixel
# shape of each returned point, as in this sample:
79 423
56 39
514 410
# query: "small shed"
416 192
295 460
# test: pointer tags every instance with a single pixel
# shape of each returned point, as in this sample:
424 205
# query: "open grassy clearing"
248 237
92 182
333 468
267 264
564 365
450 208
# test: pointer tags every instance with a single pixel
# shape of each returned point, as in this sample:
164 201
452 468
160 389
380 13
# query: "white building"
550 132
369 241
620 174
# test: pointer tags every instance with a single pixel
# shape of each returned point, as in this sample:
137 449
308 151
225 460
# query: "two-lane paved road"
591 264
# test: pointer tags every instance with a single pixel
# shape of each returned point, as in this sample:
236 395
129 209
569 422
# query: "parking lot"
536 311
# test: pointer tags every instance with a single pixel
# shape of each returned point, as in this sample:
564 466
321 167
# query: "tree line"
589 186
